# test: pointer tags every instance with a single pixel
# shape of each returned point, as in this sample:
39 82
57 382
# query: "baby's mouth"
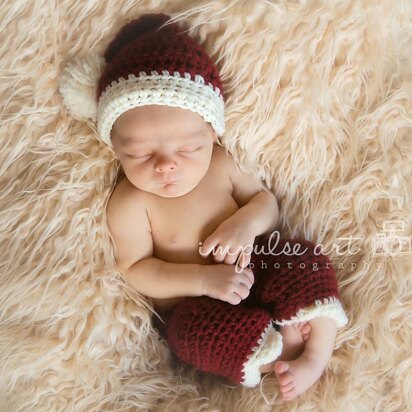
168 182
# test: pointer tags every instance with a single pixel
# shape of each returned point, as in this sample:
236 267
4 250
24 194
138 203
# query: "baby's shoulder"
222 159
124 193
128 224
126 202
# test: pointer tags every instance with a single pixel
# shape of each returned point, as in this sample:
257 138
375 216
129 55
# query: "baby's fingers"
207 246
249 274
224 254
231 257
244 260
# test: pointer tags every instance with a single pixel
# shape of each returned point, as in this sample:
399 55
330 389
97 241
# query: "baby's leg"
297 375
231 341
298 287
293 338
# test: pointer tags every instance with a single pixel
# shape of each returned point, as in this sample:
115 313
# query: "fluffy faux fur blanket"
319 107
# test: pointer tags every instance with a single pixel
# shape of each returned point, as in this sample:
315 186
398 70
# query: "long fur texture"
319 107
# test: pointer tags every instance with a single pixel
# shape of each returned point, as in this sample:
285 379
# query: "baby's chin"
174 189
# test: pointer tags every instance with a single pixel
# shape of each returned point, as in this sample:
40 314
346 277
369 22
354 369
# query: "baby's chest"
178 227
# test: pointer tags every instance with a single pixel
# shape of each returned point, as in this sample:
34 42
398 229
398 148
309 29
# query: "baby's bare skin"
178 226
302 360
297 375
210 201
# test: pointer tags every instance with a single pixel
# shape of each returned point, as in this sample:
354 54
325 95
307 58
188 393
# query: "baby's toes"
291 394
288 387
282 373
281 368
301 325
306 331
286 382
306 328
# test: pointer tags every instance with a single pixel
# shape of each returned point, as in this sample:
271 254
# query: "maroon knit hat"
150 61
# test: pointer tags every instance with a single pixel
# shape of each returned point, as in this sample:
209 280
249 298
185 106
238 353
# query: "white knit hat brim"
162 89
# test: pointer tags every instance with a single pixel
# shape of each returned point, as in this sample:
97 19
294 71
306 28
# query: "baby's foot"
297 375
305 329
293 337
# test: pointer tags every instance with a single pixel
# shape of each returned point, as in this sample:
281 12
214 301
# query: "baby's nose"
165 165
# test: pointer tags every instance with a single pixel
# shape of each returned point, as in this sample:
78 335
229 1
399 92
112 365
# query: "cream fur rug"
319 106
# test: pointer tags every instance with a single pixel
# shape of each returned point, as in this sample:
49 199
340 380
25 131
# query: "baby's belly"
178 253
177 241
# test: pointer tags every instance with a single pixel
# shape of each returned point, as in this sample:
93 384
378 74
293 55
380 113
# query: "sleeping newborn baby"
180 190
185 220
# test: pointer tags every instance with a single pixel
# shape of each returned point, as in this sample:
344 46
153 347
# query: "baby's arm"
158 279
130 229
258 214
256 203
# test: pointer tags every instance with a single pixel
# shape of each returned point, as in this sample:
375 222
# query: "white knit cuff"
330 307
162 89
269 349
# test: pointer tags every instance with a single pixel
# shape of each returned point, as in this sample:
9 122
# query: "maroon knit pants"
293 283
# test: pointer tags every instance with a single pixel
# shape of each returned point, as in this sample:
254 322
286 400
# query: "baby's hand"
225 283
232 242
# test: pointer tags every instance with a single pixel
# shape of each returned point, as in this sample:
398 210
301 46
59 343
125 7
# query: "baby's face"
163 150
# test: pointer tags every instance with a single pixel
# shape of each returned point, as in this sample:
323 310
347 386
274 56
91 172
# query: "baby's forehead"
180 137
151 118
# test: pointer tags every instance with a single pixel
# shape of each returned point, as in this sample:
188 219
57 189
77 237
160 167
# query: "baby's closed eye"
140 156
146 156
189 149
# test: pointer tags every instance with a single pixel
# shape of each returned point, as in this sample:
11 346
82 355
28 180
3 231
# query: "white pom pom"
78 86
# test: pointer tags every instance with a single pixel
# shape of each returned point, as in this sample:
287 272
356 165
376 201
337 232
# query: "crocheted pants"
293 283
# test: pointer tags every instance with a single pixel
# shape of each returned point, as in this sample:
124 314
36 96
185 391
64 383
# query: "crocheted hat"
150 61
